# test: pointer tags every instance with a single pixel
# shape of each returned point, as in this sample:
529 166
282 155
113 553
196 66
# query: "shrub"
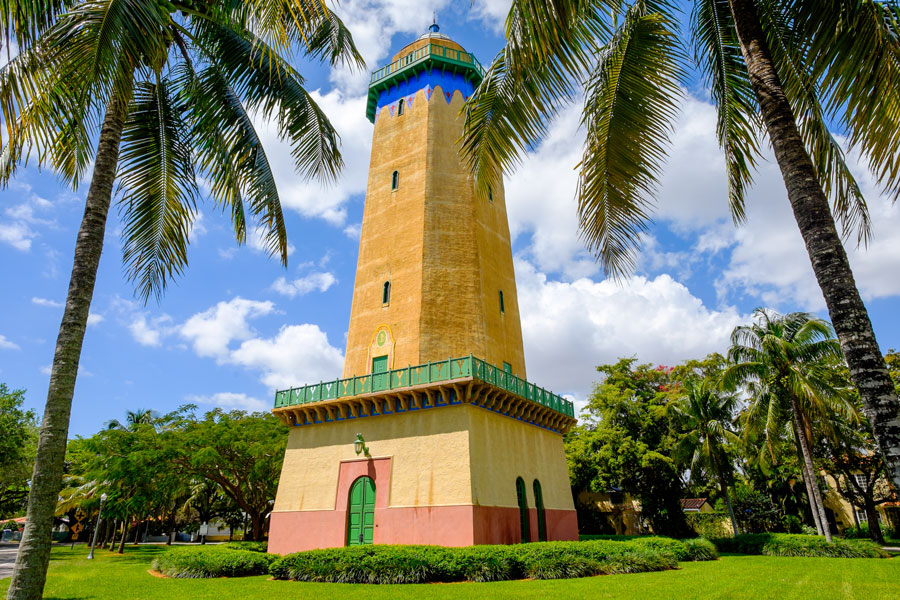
196 562
251 546
421 564
700 549
787 544
709 525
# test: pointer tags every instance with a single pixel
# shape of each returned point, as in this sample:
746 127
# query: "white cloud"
298 354
17 234
211 331
308 283
95 319
353 231
6 344
149 331
311 199
46 302
492 12
231 400
571 327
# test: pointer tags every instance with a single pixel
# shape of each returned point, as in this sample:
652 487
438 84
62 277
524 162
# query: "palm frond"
853 51
717 52
158 188
631 100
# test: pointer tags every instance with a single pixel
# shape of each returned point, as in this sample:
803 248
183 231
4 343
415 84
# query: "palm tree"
166 89
778 68
133 420
707 415
784 361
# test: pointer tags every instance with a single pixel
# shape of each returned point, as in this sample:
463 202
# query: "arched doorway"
523 510
361 512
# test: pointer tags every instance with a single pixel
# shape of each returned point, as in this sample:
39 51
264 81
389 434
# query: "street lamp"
360 445
97 527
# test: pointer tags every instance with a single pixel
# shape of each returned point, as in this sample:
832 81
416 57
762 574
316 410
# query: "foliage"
249 546
18 440
785 544
625 443
709 525
211 561
420 564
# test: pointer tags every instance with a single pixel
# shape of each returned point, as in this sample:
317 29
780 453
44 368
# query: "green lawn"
125 577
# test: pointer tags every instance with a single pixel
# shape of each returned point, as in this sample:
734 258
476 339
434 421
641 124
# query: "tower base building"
433 435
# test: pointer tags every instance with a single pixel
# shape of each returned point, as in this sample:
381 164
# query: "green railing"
433 372
429 51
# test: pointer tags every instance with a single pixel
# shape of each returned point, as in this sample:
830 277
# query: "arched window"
395 180
400 107
386 293
539 505
502 305
523 510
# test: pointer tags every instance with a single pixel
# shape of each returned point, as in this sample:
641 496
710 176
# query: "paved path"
7 559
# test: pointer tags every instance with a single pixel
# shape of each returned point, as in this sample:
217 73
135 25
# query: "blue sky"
238 325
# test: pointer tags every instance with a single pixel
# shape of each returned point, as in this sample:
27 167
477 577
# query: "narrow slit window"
502 305
523 511
386 293
541 517
395 180
400 107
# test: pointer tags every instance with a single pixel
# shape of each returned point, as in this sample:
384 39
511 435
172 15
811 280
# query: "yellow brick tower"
455 447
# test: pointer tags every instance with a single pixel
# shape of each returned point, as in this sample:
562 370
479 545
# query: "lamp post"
97 526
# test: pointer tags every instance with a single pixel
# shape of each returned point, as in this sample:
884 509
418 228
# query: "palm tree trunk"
823 244
812 484
813 505
724 491
124 535
33 557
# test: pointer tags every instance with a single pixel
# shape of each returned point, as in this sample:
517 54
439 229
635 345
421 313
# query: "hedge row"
696 549
787 544
197 562
251 546
421 564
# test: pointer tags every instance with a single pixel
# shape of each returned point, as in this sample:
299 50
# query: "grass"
125 577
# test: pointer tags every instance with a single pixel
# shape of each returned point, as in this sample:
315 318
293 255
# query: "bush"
251 546
787 544
680 550
198 562
710 525
421 564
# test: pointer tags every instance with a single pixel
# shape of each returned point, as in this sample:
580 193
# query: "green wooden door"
379 373
361 513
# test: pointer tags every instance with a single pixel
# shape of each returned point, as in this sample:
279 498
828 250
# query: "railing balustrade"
432 372
449 54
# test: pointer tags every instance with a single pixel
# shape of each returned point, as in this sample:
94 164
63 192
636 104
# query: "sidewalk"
7 558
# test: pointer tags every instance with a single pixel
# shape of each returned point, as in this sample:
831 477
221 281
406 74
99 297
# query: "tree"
240 453
18 437
165 88
784 363
707 416
625 442
133 419
784 69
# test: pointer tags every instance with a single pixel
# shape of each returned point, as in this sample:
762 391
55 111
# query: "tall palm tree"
784 361
707 415
778 68
166 89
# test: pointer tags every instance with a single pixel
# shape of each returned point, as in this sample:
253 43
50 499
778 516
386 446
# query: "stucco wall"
429 452
446 252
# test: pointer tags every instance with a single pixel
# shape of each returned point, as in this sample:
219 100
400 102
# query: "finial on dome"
434 27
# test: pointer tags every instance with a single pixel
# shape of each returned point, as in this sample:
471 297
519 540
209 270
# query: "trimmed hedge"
200 562
422 564
697 549
788 544
251 546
